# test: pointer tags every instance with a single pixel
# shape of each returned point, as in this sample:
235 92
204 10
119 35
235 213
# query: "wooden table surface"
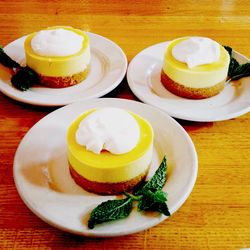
217 213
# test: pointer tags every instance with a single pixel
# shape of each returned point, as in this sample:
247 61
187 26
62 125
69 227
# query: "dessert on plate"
60 55
109 150
195 67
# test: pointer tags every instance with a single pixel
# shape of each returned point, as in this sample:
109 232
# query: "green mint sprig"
154 201
149 196
157 181
24 77
236 70
7 61
110 210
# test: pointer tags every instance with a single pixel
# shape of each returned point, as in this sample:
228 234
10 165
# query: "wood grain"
217 213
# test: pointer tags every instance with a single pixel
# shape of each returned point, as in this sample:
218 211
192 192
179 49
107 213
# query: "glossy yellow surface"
108 167
58 66
200 76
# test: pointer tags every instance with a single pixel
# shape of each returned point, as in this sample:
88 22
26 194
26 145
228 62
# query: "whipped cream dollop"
56 42
111 129
196 51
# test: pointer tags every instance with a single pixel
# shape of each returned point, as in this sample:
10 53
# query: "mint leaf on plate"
154 201
157 181
110 210
229 50
243 70
6 60
24 77
149 197
237 70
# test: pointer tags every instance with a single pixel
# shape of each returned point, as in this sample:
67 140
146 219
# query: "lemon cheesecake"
109 150
195 67
60 55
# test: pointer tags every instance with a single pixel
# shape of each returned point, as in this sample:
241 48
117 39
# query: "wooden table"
217 213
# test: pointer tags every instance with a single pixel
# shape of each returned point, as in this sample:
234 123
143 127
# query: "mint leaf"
154 201
149 197
232 67
157 181
24 78
162 208
110 210
242 70
229 50
235 69
233 62
6 60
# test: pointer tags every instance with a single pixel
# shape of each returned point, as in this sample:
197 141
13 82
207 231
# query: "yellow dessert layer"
58 66
201 76
107 167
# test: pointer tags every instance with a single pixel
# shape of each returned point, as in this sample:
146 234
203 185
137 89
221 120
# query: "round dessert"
109 150
60 56
195 67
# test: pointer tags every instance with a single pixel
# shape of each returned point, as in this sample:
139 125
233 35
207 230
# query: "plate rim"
136 229
140 96
44 103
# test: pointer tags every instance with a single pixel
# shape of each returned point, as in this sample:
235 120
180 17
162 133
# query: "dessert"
195 67
60 56
109 150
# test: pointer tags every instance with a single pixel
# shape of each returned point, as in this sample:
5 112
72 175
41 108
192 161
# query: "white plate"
108 68
44 183
143 76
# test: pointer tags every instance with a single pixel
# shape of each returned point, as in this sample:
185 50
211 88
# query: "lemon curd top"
57 66
108 167
200 76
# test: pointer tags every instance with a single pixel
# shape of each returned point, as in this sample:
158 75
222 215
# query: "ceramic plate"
42 177
144 80
108 68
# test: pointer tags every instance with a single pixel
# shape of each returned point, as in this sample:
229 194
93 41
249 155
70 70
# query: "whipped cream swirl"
196 51
56 42
111 129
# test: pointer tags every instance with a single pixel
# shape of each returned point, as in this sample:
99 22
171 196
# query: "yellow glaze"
106 167
201 76
58 66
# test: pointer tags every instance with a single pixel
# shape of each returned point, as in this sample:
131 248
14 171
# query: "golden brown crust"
106 188
63 81
188 92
